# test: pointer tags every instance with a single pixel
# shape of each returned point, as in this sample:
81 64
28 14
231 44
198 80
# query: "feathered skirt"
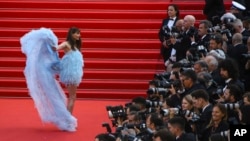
46 92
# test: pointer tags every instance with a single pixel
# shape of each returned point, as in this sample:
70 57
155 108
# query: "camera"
189 113
166 83
140 126
246 56
220 136
166 112
160 91
153 103
116 111
232 106
191 32
227 32
213 29
194 116
217 93
168 33
162 76
108 128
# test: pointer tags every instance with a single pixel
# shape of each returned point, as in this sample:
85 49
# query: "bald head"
237 38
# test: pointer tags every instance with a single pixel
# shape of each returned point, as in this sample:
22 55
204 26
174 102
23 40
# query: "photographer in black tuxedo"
165 29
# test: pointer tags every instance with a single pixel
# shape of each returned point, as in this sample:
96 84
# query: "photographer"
166 27
239 28
163 135
230 73
176 126
215 47
129 127
213 69
201 102
190 31
245 115
201 46
231 100
235 52
189 113
211 86
218 122
105 137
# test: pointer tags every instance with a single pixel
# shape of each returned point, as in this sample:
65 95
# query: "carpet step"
85 84
93 53
95 63
99 43
123 5
90 33
88 93
104 74
82 23
93 14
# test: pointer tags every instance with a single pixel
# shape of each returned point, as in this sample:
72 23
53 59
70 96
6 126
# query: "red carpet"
19 121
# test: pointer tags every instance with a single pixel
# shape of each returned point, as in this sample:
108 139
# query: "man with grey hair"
236 50
213 63
239 28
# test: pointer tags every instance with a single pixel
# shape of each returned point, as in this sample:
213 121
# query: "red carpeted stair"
120 41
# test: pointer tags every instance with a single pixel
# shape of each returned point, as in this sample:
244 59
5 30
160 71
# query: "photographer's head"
219 113
163 135
187 103
215 42
173 11
188 78
203 27
105 137
176 126
200 98
232 93
140 102
237 39
200 66
154 122
189 21
246 98
229 69
212 63
132 113
238 26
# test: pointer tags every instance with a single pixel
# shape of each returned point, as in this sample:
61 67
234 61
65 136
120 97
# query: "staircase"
120 41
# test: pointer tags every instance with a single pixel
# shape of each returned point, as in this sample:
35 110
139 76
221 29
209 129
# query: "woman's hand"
54 48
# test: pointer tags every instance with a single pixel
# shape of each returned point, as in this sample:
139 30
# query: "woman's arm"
60 46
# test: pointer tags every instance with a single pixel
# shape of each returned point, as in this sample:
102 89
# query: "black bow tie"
171 19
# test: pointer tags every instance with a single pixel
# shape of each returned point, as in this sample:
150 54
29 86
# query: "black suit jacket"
186 137
214 8
236 52
204 120
223 126
165 51
185 44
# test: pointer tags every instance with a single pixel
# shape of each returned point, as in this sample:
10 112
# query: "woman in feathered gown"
42 65
71 66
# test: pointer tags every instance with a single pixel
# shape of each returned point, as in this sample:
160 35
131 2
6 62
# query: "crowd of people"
205 87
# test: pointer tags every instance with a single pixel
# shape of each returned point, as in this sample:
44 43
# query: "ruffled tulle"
49 98
71 68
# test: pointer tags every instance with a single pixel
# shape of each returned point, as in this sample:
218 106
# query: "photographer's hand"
172 40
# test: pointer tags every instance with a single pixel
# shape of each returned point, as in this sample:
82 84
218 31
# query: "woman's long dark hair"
75 44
